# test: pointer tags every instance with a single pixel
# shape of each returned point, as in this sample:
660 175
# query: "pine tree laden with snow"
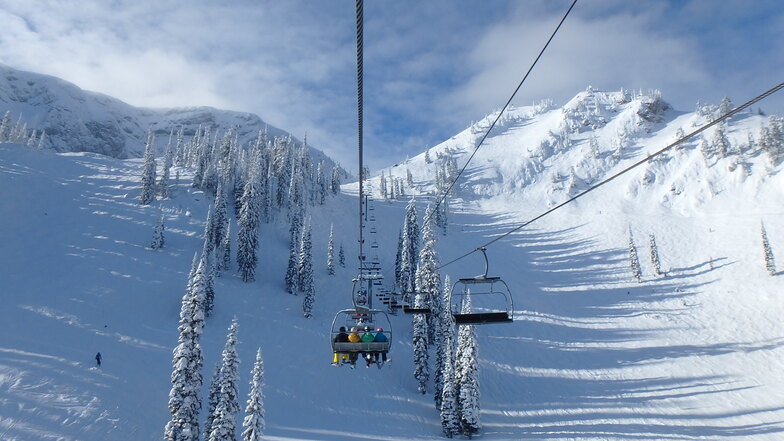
443 341
467 376
158 239
213 394
148 172
655 255
209 293
305 271
770 263
254 423
221 214
223 420
331 252
247 235
293 264
447 402
634 260
428 288
225 248
42 140
341 257
168 161
421 356
184 402
5 126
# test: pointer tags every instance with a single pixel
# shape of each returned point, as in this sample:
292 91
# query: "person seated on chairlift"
380 337
342 337
368 337
353 338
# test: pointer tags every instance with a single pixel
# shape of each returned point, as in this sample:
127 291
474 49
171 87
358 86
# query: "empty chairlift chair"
489 298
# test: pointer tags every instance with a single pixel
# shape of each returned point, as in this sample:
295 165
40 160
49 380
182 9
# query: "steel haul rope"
509 101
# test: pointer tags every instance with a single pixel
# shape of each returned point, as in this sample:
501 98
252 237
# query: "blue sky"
431 67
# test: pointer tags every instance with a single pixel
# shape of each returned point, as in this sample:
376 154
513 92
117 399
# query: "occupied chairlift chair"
491 300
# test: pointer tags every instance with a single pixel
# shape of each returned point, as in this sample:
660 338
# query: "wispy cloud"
430 67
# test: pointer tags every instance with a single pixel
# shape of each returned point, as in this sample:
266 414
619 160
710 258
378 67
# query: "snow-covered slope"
76 120
592 354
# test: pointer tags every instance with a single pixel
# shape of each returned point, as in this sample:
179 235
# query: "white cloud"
430 67
610 52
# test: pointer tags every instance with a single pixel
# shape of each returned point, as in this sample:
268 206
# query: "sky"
431 68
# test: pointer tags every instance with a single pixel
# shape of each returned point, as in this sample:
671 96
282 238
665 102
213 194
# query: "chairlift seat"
480 318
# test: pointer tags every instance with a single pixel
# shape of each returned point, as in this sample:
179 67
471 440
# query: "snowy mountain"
76 120
545 154
593 353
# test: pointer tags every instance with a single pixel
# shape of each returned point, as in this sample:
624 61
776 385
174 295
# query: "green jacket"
368 337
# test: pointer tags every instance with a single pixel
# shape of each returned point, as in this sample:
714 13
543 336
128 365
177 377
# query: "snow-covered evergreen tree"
331 252
447 402
225 250
443 342
223 426
721 145
467 376
634 260
305 271
157 236
410 249
209 232
427 279
770 263
221 214
213 393
383 186
42 140
184 402
291 278
5 126
247 234
148 172
655 255
209 293
254 412
32 140
725 106
342 257
421 356
335 180
168 161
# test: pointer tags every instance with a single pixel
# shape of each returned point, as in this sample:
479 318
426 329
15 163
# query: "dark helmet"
367 328
342 329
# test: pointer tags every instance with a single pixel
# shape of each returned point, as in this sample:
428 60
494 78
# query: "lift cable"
509 101
727 115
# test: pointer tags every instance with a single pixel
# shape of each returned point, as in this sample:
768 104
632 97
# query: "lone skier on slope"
98 359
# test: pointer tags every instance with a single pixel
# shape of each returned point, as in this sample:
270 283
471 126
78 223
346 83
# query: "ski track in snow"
592 354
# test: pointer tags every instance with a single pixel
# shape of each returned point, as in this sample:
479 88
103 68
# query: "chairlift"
361 318
413 309
490 299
